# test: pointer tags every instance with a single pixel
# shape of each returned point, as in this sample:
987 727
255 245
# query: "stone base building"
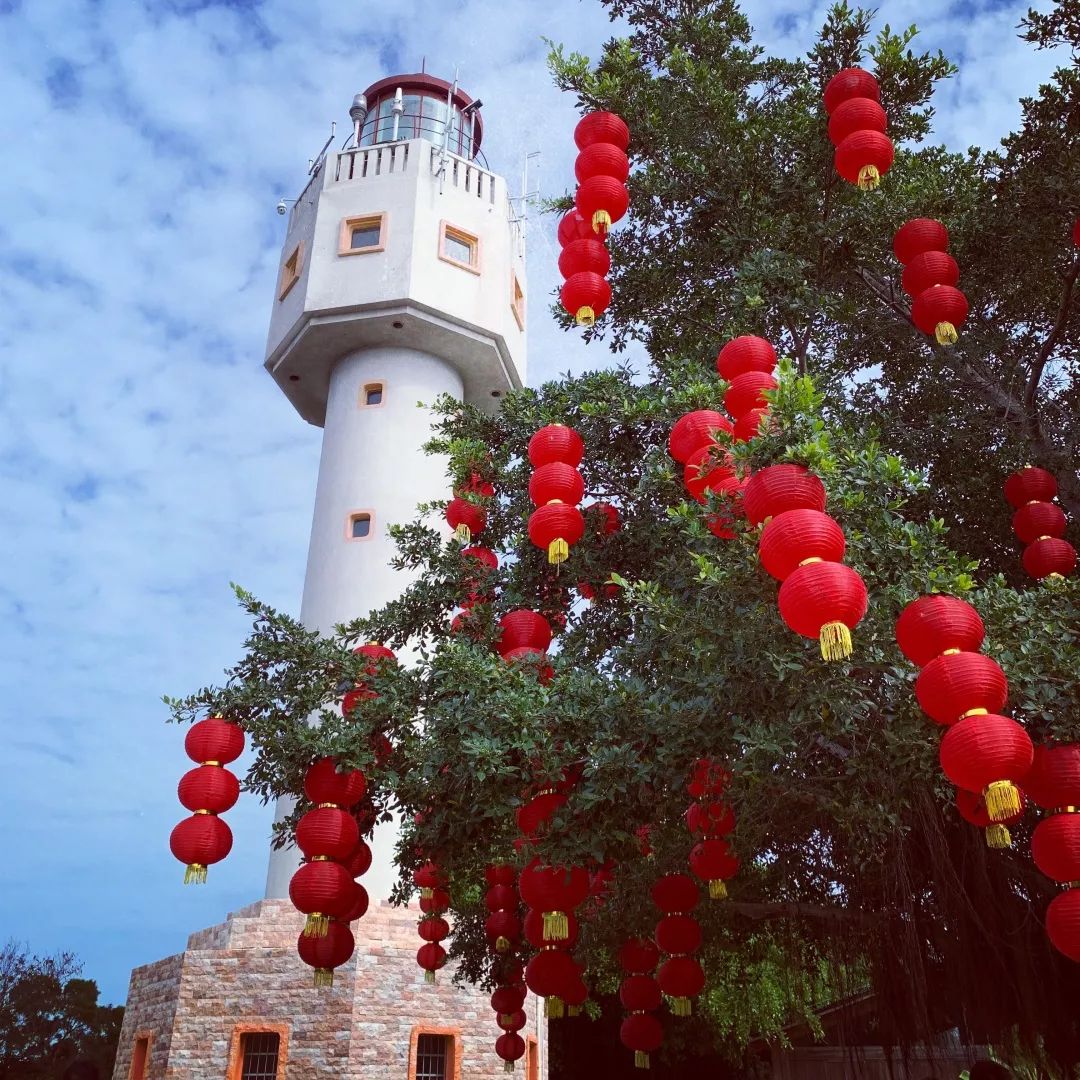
239 1004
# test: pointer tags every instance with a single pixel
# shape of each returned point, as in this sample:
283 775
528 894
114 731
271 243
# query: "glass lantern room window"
424 117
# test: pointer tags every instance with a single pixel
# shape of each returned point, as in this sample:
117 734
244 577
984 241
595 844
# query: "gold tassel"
945 333
426 893
641 1059
195 874
463 533
429 976
558 552
717 890
502 944
508 1066
324 977
585 316
835 640
556 926
680 1006
573 1010
997 837
601 222
1002 800
553 1008
317 925
505 1018
869 178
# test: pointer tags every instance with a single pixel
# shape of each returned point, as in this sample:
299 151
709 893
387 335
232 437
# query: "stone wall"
244 975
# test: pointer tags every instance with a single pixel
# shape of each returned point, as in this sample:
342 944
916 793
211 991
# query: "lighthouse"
402 278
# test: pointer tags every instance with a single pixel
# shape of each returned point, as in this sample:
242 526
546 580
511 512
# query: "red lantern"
973 810
675 894
701 474
991 754
555 528
750 425
743 354
856 114
502 929
773 490
586 296
1048 557
747 391
608 517
322 890
1053 782
465 518
602 127
603 200
863 158
327 831
602 159
430 957
500 874
510 1047
917 236
584 257
359 861
713 862
1063 923
825 601
324 784
433 928
640 993
427 878
961 684
795 536
556 442
556 482
572 226
722 525
642 1033
927 270
328 952
485 556
638 955
506 1000
1076 233
681 978
939 311
707 779
200 841
214 741
710 819
678 934
555 891
1030 484
538 811
210 788
852 82
501 897
514 1021
439 900
936 624
551 973
1055 847
359 906
694 431
523 629
1038 519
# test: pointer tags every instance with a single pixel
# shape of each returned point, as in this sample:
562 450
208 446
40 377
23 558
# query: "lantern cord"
585 316
835 640
556 926
553 1007
558 551
324 977
717 889
869 178
1002 800
945 333
195 874
641 1059
317 925
998 837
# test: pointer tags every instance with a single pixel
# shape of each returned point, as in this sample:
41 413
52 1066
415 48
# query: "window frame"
517 300
235 1067
353 515
375 384
381 217
144 1037
288 278
452 1035
456 232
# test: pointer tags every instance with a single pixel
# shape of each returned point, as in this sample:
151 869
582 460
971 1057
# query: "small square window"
260 1055
517 301
372 394
362 235
432 1054
290 271
459 247
359 526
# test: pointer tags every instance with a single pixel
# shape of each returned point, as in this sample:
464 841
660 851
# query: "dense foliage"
857 871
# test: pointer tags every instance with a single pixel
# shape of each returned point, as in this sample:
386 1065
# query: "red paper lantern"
750 425
433 928
1030 484
500 874
603 200
773 490
1076 233
675 894
743 354
485 556
939 311
852 82
514 1021
702 474
586 296
707 778
555 891
608 517
502 929
1037 519
681 978
510 1047
642 1033
572 226
602 127
327 831
208 787
957 684
602 159
936 624
214 741
359 906
991 754
359 861
538 811
556 481
555 442
555 529
328 952
1053 782
506 1000
1055 847
584 257
639 955
722 525
322 890
927 270
714 863
917 236
640 993
427 878
1063 923
710 819
200 841
550 973
973 810
856 114
678 934
522 628
465 518
501 898
377 653
1048 557
864 157
747 391
430 957
794 536
694 431
324 784
826 601
439 900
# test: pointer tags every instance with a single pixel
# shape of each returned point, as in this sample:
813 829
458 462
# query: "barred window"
260 1050
431 1057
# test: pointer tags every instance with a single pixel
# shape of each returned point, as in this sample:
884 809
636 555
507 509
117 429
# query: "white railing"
464 174
365 161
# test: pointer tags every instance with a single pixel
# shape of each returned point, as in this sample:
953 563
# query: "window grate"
260 1056
431 1054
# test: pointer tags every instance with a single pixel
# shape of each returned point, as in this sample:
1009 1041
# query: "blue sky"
146 459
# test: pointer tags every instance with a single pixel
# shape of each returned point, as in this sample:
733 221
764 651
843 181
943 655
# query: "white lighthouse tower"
402 278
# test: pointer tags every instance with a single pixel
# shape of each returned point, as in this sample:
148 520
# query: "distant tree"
50 1020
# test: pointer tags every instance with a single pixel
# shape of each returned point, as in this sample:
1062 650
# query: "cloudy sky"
146 458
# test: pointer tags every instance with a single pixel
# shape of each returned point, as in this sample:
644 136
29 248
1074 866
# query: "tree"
857 871
49 1017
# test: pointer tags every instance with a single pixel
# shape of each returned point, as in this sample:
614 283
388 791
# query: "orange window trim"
446 228
453 1070
360 513
139 1069
289 277
380 217
236 1046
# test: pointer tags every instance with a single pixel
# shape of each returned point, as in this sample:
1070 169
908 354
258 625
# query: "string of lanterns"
930 275
640 995
857 126
556 488
710 821
678 935
1039 523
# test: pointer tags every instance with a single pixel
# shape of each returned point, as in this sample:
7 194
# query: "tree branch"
1048 346
797 911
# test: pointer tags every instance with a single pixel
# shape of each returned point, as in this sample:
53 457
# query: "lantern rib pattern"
857 127
930 275
1040 524
556 487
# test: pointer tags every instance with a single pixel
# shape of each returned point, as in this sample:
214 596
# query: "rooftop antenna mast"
520 216
445 152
